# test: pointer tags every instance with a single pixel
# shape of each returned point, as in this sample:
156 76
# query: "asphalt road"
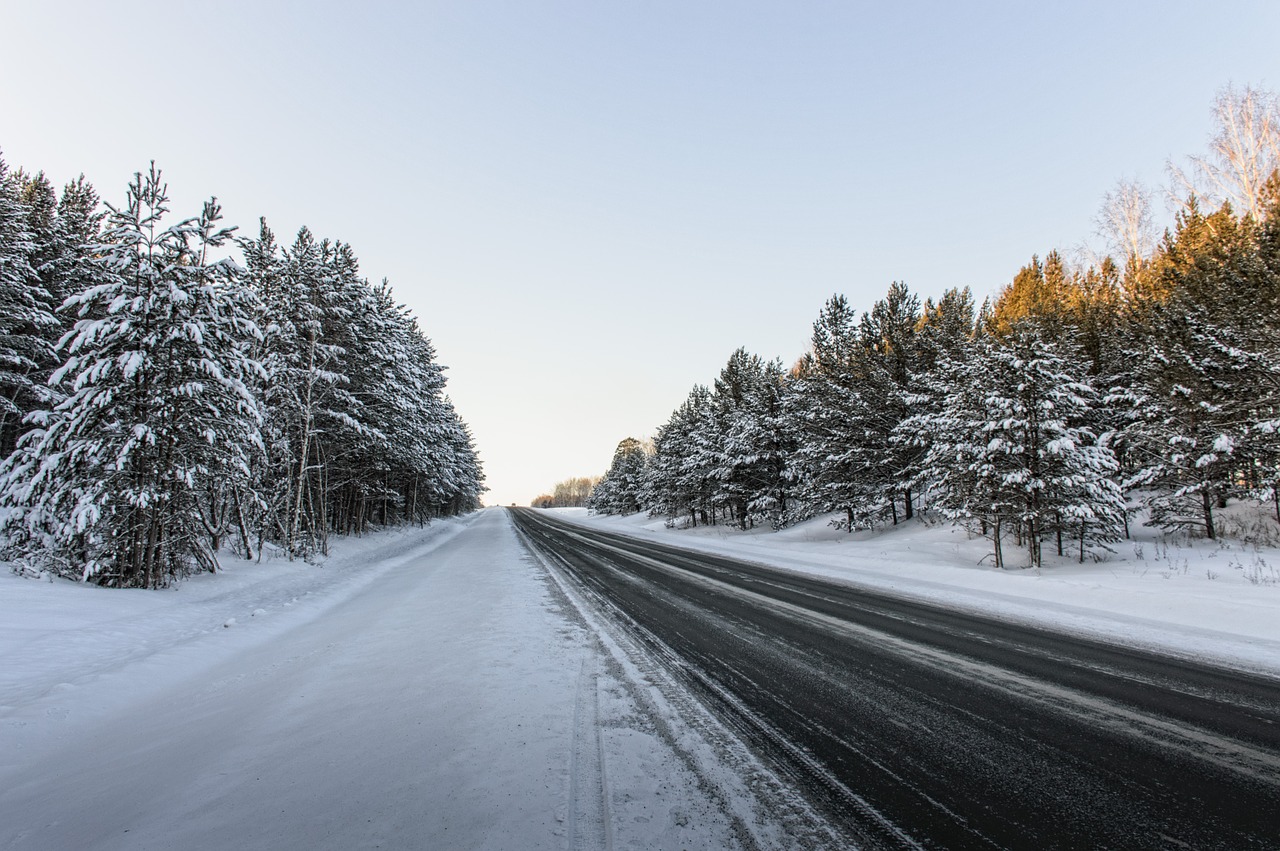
911 725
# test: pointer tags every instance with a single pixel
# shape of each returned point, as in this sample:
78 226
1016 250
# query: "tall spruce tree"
1191 406
620 490
890 364
25 318
824 406
156 410
1009 452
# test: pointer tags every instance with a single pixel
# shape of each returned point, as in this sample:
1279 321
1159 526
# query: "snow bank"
61 637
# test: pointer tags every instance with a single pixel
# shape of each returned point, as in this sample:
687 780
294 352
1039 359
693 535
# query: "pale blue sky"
590 205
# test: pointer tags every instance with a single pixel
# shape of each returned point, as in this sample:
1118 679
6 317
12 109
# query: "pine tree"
679 478
1193 399
824 406
891 363
747 441
357 428
25 317
759 444
69 269
1009 451
157 412
619 491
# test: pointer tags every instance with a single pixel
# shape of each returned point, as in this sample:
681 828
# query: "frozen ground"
422 689
1218 601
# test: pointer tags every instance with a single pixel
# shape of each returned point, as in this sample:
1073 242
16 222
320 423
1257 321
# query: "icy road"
475 686
912 725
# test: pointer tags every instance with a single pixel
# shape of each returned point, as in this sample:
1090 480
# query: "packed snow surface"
420 689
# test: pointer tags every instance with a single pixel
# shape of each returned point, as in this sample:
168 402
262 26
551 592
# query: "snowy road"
915 726
453 698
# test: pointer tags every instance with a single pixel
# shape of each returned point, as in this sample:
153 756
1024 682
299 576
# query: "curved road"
911 725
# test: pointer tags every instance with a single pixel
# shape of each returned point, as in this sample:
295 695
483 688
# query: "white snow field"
432 689
1217 601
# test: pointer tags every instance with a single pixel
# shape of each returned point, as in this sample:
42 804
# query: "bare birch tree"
1243 153
1126 223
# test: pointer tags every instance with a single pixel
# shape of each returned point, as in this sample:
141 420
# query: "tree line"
1148 379
168 387
570 493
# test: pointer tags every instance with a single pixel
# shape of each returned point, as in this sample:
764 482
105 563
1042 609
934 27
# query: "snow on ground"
60 636
437 688
1218 601
424 688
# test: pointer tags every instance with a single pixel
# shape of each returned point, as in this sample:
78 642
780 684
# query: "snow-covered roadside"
67 645
425 688
1218 601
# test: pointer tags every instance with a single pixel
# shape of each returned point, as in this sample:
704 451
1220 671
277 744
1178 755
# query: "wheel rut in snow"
589 820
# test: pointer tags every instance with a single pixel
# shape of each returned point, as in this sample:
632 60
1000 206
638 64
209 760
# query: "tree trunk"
241 525
1208 513
995 538
305 449
1033 543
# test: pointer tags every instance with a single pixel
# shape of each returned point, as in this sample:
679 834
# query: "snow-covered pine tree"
889 362
462 487
620 490
749 440
108 487
1009 450
679 476
357 427
411 446
69 269
40 202
264 276
305 390
1197 376
662 492
758 445
25 317
699 470
1261 338
945 338
823 406
946 327
1184 423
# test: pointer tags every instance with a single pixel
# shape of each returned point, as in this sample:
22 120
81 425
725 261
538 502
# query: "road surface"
911 725
430 693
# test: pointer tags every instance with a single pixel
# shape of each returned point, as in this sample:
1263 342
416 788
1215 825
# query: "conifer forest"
171 388
1142 382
